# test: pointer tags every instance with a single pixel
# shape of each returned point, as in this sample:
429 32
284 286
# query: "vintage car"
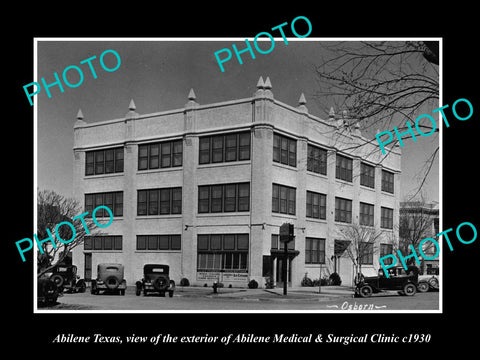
66 279
47 292
405 282
109 279
155 279
428 282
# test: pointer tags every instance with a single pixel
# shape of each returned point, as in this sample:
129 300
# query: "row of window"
235 197
222 252
227 251
227 148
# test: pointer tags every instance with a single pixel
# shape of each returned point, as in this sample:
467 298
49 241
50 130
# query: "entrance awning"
340 246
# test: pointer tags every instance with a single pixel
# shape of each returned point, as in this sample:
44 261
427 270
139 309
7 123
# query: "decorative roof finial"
191 95
331 113
302 100
268 84
132 106
260 83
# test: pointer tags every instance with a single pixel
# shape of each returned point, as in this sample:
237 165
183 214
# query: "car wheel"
58 280
112 282
81 286
365 291
409 289
170 293
433 282
423 286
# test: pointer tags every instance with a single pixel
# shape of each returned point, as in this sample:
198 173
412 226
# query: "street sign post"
286 235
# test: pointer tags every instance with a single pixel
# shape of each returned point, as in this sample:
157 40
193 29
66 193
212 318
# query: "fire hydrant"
215 287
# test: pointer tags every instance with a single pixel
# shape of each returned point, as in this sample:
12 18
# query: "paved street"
194 298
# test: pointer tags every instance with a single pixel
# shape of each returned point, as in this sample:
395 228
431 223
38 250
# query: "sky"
159 75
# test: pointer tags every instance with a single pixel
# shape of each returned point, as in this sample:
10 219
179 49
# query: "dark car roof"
150 267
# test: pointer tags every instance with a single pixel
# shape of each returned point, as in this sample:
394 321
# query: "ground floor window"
217 252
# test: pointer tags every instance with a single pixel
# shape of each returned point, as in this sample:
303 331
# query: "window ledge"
226 163
100 176
319 221
158 251
159 170
284 166
151 217
223 214
284 216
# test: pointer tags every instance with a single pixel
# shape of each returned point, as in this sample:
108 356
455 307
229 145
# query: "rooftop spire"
260 83
268 84
79 114
302 100
132 106
191 95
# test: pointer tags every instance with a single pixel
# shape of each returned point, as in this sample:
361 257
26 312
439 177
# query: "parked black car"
405 282
66 279
155 279
109 279
47 291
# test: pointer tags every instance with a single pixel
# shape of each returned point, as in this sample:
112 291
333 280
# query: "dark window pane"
165 201
108 243
217 148
154 156
202 242
166 154
231 147
152 242
141 242
89 163
215 242
119 160
275 198
88 243
176 242
177 153
216 200
229 242
276 148
142 202
230 198
163 242
244 197
204 153
244 148
242 242
109 161
143 157
97 243
118 204
153 202
292 152
203 199
176 200
99 162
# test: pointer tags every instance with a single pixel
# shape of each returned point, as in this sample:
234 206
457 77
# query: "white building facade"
204 189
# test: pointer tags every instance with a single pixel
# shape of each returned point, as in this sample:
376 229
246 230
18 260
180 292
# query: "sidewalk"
298 293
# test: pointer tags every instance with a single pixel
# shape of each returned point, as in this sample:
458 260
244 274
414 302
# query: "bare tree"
382 84
362 240
52 209
416 223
